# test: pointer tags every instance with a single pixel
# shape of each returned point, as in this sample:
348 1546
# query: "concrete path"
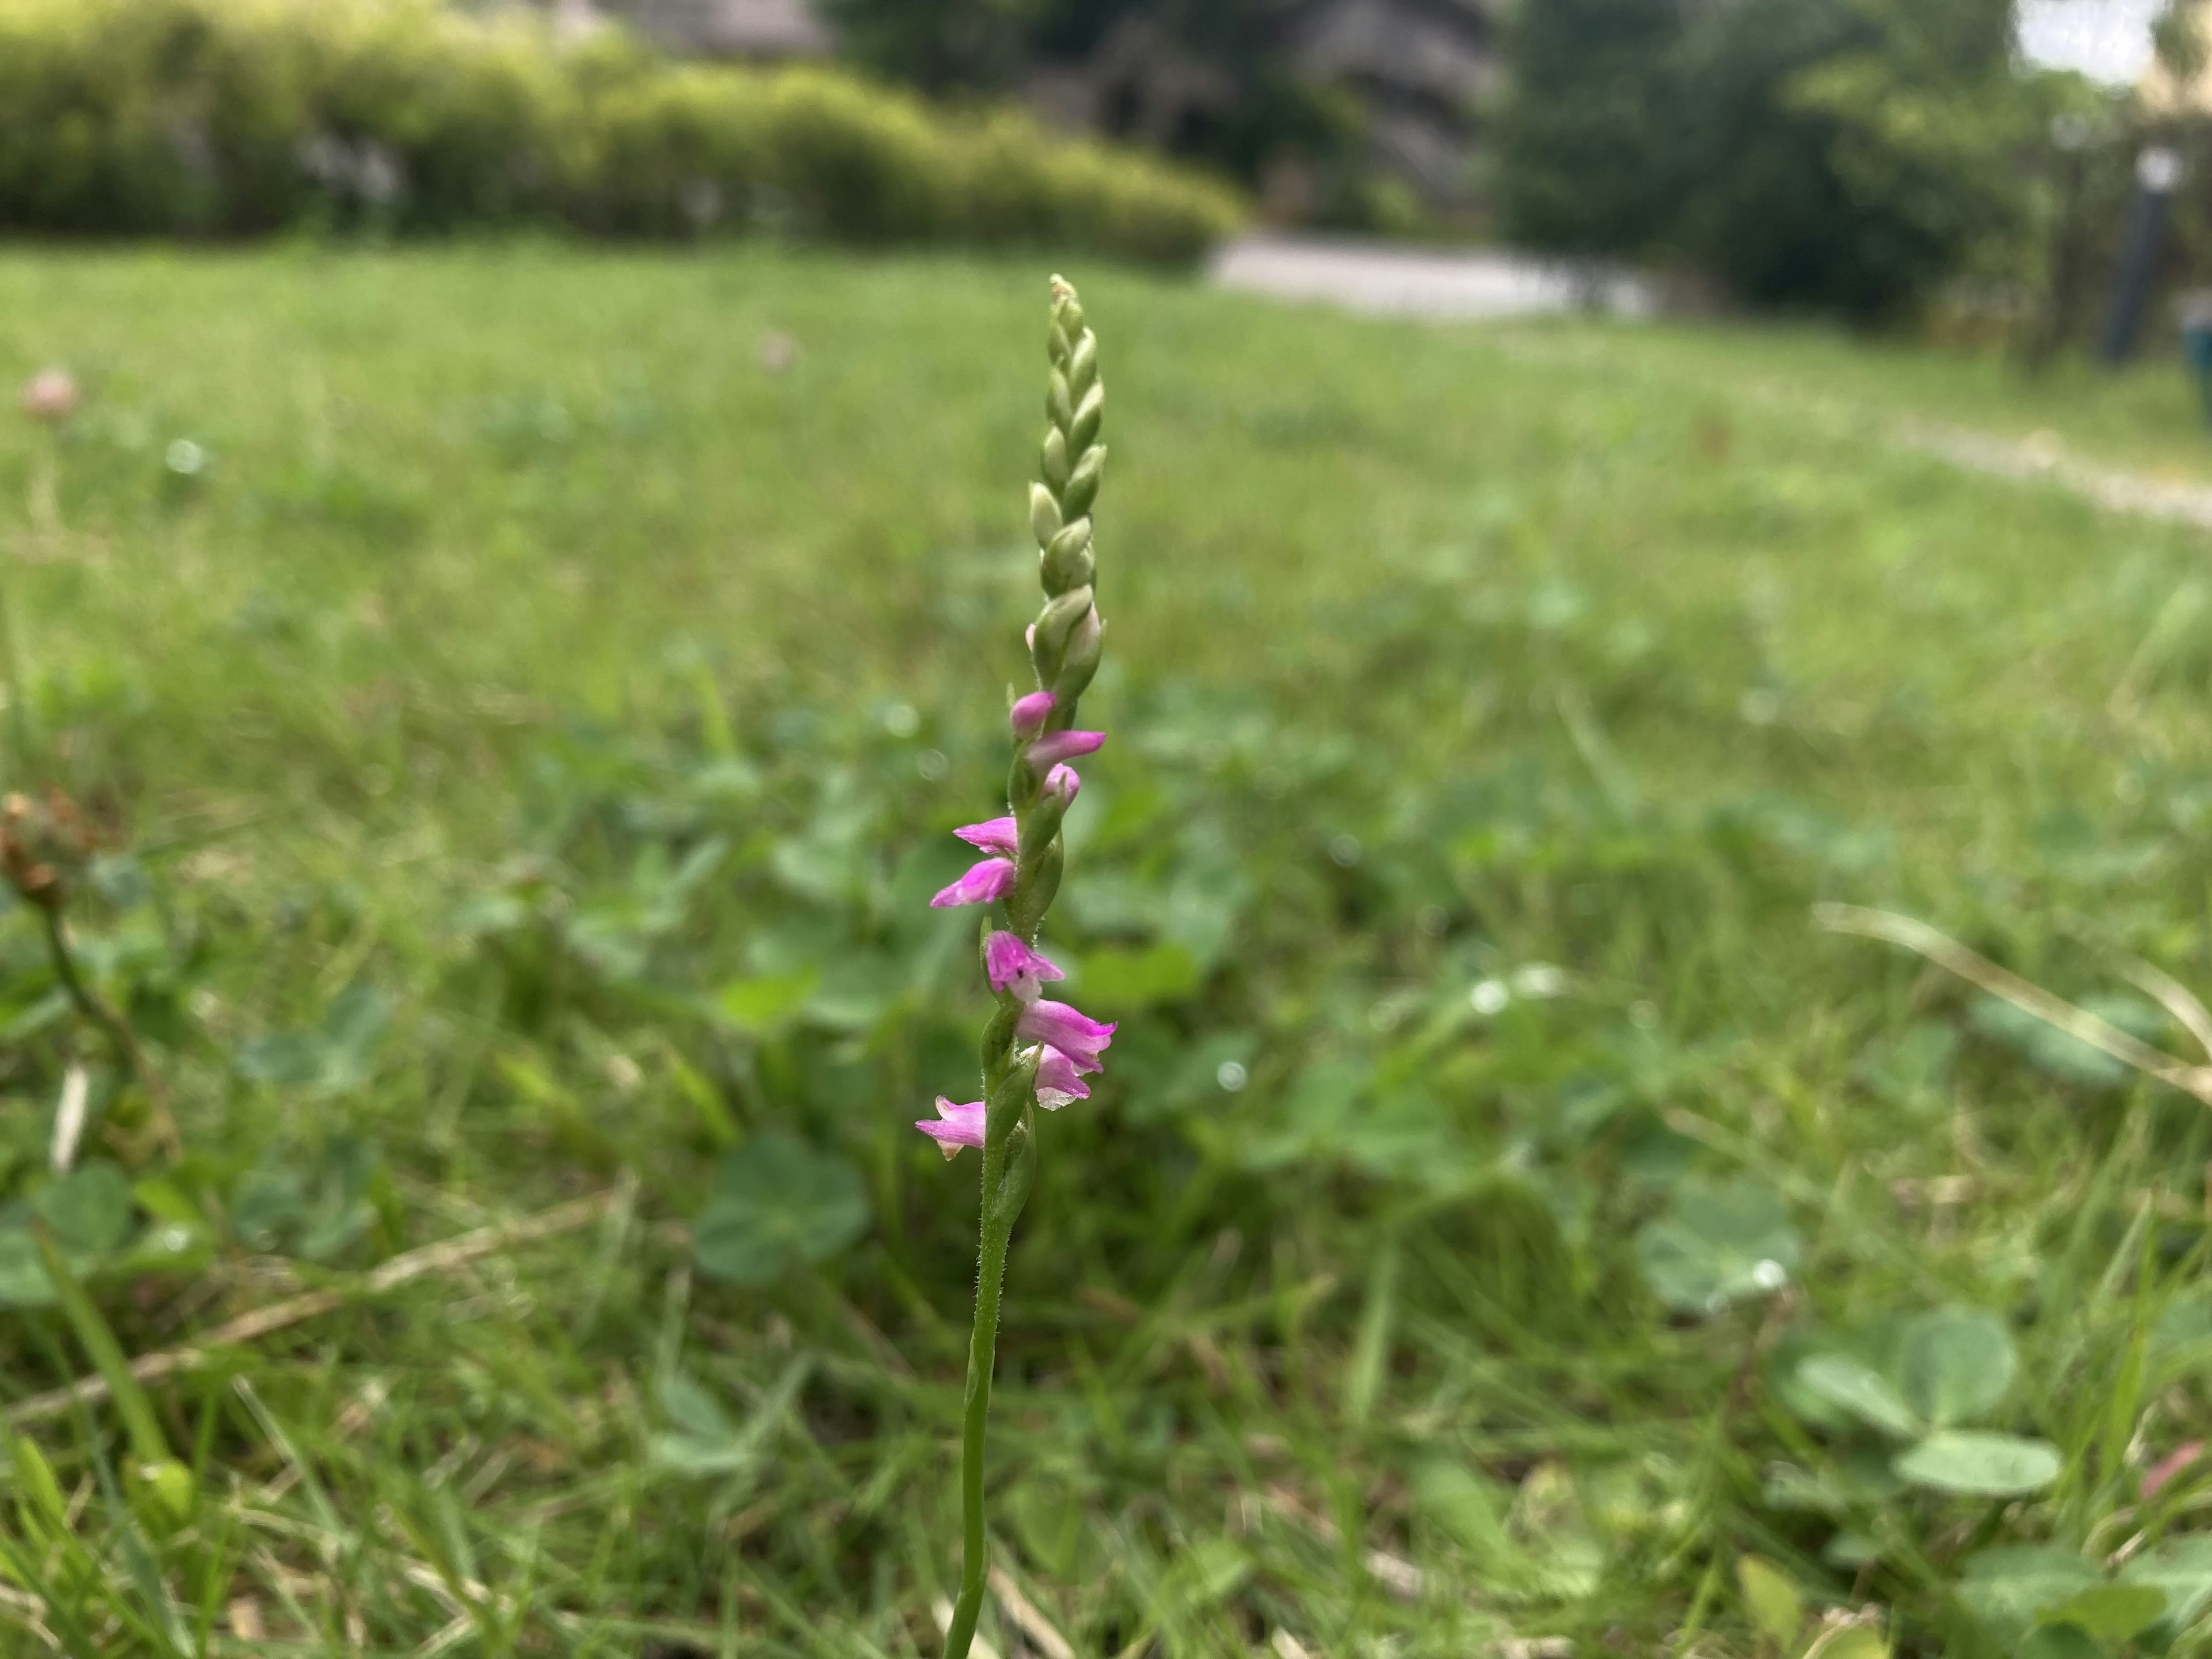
2044 460
1487 285
1384 280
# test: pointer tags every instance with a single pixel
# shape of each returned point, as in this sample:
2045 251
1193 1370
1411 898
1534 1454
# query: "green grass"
534 733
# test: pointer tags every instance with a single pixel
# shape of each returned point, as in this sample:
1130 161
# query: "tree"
1586 146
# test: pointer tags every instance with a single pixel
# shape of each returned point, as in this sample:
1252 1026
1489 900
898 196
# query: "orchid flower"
1036 1053
955 1126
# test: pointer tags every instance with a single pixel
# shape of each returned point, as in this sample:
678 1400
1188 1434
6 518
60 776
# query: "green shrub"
232 116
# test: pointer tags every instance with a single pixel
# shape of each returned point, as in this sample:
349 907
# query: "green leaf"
1958 1364
2009 1588
2059 1642
2182 1568
2110 1613
1463 1504
1118 981
1986 1465
705 1442
89 1210
23 1282
757 1005
1776 1605
1717 1244
1852 1386
1850 1641
778 1204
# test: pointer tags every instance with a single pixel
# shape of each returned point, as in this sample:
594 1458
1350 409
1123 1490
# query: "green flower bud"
1034 889
1059 408
1044 514
1083 364
1042 827
1082 486
1057 347
1083 427
998 1040
1066 561
1003 1101
1054 625
1080 661
1055 459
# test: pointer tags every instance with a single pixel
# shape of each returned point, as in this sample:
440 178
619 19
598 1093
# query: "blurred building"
1417 73
765 30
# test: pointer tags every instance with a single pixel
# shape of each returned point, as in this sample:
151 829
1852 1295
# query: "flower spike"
1036 1053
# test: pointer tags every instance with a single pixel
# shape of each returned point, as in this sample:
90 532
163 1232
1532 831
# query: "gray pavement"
1468 285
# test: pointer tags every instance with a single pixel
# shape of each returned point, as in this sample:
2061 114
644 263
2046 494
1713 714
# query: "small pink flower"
1078 1036
956 1124
1012 966
2169 1466
993 879
1064 746
1062 781
1029 714
50 395
1057 1083
1000 836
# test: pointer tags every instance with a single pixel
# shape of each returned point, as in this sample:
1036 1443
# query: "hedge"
231 117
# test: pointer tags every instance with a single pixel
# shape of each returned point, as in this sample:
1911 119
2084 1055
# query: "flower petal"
1063 781
1000 836
1058 746
1013 966
956 1124
1068 1029
1057 1082
1028 715
991 880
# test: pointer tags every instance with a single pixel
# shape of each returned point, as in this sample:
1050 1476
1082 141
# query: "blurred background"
1654 553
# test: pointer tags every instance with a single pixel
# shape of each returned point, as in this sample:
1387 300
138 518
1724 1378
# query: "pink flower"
1029 714
993 878
2169 1466
1062 781
50 395
1057 1083
999 835
1064 746
1075 1034
1013 966
955 1126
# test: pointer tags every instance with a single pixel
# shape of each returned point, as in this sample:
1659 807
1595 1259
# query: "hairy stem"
982 1353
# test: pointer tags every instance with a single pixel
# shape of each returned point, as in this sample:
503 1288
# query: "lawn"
526 694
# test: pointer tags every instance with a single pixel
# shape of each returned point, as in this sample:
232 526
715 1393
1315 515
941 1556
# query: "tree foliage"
1847 154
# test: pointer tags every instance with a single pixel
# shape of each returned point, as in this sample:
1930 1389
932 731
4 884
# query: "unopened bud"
1055 459
1083 364
1049 649
1079 662
1083 430
1044 514
1082 487
1034 889
1067 561
1059 405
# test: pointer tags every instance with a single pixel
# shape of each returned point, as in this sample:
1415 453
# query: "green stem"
982 1352
97 1009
